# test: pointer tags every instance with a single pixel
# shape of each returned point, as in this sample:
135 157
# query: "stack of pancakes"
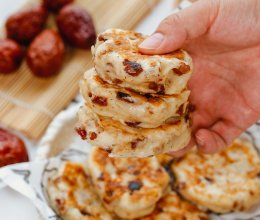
135 104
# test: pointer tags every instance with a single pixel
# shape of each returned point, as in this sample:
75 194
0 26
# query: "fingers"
209 142
174 30
183 151
216 138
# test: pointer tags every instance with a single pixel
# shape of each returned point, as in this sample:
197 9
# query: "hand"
223 38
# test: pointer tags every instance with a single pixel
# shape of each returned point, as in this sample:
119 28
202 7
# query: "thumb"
177 28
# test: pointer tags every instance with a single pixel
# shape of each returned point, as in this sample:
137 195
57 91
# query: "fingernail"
199 141
152 42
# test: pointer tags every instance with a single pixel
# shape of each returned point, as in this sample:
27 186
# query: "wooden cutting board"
28 103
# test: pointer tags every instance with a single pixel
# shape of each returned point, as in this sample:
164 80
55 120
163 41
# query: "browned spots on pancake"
183 68
132 124
154 99
124 97
92 136
209 179
82 132
100 81
109 151
153 86
118 42
251 193
60 203
132 169
180 110
99 100
181 186
85 213
110 64
152 63
134 143
132 68
157 87
117 81
235 205
90 94
173 120
101 177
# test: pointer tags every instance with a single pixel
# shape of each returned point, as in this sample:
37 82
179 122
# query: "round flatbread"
172 207
118 61
223 182
72 195
131 108
130 187
124 141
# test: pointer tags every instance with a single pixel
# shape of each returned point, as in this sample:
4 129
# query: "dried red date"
12 149
99 100
76 26
132 68
11 55
92 136
173 120
183 68
24 26
157 87
101 38
132 124
180 110
124 97
81 132
56 5
45 54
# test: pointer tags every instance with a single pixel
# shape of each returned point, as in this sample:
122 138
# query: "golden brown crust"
128 186
214 181
172 207
73 196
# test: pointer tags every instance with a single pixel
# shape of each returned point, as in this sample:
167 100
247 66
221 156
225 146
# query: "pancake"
72 195
129 187
223 182
124 141
131 108
172 207
118 61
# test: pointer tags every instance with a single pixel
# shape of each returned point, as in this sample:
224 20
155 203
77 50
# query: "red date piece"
11 56
24 26
99 100
132 68
12 149
183 68
45 54
56 5
76 26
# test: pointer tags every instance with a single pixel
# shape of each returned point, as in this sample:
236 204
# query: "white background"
12 205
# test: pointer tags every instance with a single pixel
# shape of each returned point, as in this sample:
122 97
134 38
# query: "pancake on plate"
72 195
118 61
129 187
131 108
124 141
224 182
172 207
